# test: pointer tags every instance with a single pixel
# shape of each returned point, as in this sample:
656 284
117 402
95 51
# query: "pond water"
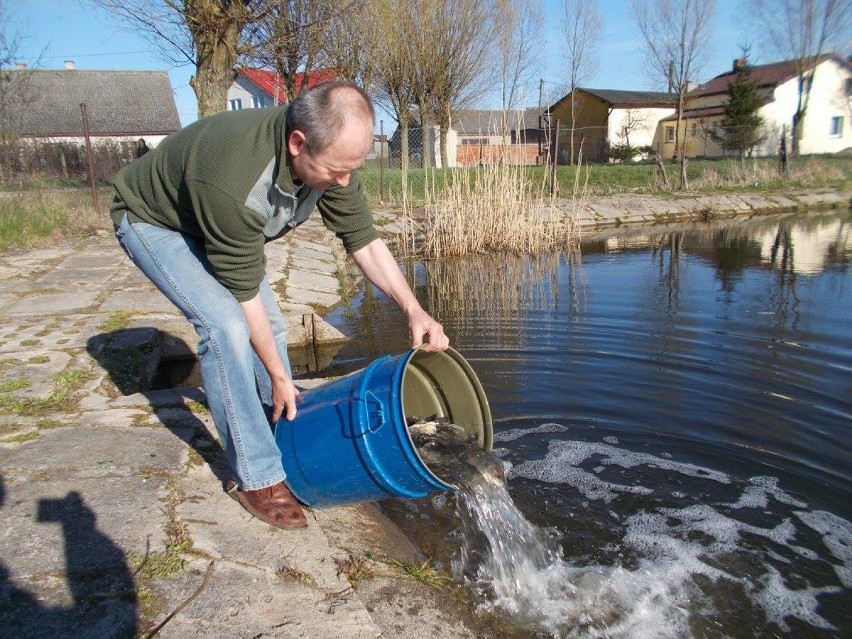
675 407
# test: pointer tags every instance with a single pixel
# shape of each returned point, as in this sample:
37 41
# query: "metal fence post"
89 160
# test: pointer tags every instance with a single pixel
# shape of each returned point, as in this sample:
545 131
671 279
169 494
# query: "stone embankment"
114 516
642 209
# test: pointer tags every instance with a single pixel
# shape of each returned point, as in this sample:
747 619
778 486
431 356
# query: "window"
695 129
836 126
805 83
670 134
236 104
258 101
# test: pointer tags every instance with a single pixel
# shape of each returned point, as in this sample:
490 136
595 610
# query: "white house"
259 88
604 118
43 105
826 124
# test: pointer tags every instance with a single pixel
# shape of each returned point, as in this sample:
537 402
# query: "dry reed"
497 207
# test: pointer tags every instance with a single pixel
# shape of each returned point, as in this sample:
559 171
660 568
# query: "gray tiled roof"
132 103
487 121
619 98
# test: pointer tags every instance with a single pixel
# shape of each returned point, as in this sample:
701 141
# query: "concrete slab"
35 373
307 252
80 277
266 577
83 452
319 266
312 281
151 301
53 303
313 298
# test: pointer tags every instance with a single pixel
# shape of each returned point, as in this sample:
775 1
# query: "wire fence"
28 158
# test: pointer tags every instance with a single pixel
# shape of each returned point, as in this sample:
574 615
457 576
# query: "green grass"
38 218
705 176
35 214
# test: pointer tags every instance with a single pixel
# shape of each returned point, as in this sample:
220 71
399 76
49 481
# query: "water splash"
755 562
519 571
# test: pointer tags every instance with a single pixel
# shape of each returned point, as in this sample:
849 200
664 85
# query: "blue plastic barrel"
350 443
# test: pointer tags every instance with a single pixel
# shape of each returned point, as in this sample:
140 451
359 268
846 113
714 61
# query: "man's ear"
296 143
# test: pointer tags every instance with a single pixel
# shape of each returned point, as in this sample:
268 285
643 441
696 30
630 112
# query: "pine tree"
741 128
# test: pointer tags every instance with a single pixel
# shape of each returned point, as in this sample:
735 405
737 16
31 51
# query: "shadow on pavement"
98 578
129 359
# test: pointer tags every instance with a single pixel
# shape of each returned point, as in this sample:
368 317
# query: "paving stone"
79 276
138 301
312 298
313 281
308 264
53 303
304 252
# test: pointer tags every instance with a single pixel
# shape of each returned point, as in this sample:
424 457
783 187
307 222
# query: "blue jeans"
237 386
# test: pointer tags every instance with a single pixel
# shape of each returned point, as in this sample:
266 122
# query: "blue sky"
69 29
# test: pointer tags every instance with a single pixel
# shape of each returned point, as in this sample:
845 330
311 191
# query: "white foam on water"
780 602
523 573
761 489
515 433
560 466
837 536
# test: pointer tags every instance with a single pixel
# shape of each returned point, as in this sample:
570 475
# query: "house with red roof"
826 125
258 88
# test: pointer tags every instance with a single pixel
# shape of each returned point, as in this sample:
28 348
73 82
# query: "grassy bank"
32 219
760 175
38 213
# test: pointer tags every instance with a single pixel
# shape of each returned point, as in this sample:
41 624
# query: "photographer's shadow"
126 355
98 577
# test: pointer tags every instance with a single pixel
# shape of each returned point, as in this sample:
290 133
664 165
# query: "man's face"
333 165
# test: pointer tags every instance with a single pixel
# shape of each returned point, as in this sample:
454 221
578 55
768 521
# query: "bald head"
322 112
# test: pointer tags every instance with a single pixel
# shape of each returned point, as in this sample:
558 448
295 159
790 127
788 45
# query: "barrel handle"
375 412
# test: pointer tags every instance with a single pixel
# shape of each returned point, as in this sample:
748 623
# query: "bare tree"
677 35
395 65
16 92
456 44
290 37
582 28
518 41
632 121
803 30
353 44
211 34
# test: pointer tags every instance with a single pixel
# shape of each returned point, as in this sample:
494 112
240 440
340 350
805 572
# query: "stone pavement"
111 492
114 520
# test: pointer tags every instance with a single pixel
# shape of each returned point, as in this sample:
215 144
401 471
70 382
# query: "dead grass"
498 207
31 219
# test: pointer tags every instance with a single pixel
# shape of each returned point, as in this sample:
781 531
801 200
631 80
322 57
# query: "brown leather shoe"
275 505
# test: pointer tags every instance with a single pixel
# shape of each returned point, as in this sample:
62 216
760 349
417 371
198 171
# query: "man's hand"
422 325
284 396
263 342
379 266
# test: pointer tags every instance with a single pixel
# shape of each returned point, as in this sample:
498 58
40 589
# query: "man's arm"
380 267
263 342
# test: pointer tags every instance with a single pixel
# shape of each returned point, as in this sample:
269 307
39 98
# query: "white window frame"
836 127
258 101
235 104
670 134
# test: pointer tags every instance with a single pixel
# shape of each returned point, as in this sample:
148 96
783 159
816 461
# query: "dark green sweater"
226 179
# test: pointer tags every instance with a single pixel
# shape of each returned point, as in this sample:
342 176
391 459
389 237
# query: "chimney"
69 64
21 65
739 64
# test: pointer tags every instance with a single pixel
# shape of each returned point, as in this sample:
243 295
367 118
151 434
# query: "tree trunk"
215 26
403 146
